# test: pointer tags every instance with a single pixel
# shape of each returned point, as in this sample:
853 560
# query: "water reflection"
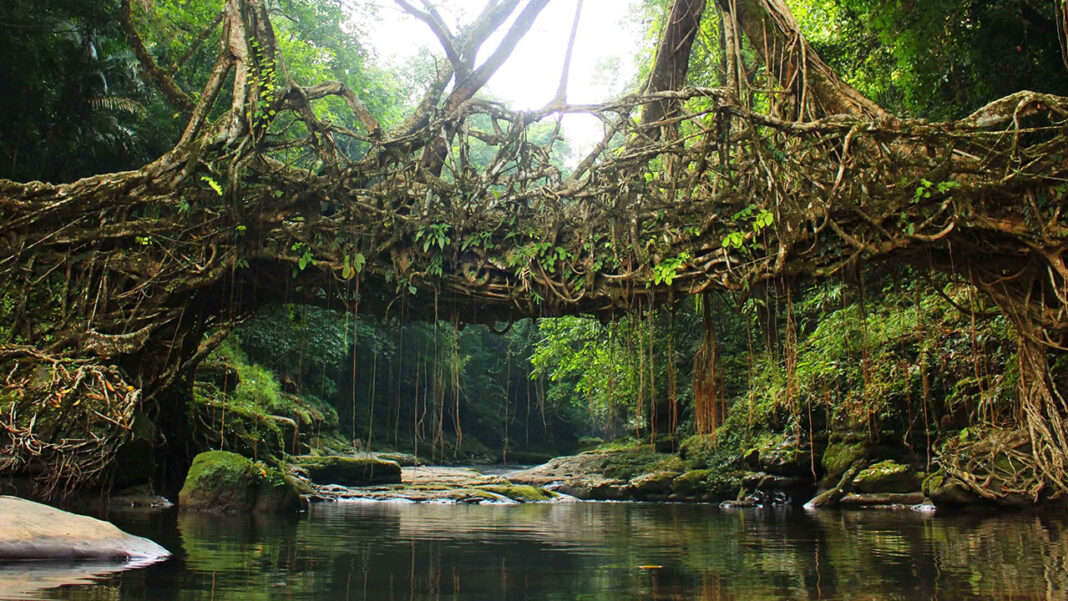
595 552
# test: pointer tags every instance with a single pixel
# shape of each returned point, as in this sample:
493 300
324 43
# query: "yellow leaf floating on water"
650 567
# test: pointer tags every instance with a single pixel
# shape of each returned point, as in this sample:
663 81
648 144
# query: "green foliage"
73 104
434 234
665 271
938 58
247 418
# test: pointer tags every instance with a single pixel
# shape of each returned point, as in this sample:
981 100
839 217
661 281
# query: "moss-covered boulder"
401 459
947 491
655 484
839 456
887 477
350 471
691 484
518 492
222 481
780 455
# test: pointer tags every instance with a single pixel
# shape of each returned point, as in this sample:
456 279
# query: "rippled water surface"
582 551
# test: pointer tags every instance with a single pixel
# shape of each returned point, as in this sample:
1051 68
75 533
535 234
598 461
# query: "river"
574 551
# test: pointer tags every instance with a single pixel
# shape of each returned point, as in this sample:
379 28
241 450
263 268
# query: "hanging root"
62 421
1026 461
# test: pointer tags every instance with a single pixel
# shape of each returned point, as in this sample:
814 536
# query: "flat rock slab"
436 484
31 530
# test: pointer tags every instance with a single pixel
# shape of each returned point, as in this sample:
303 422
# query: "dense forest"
910 359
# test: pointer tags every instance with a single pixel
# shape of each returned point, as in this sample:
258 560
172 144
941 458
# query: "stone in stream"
350 471
888 477
222 481
30 530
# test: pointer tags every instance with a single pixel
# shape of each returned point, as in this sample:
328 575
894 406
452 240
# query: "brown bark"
672 61
792 63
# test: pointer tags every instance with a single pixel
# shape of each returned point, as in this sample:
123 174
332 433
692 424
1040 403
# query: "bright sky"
606 38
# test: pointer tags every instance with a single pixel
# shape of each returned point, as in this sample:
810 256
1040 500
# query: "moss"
401 459
839 456
943 490
518 492
654 483
631 462
887 477
225 481
587 443
240 403
692 483
350 471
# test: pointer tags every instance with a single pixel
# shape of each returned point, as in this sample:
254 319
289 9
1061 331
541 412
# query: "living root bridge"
463 211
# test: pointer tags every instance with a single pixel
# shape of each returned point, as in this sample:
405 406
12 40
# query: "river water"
574 551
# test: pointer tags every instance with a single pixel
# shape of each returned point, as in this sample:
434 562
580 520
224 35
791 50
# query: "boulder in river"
887 477
222 481
350 471
31 530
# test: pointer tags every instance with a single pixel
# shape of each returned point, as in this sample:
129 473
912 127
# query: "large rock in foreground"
31 530
222 481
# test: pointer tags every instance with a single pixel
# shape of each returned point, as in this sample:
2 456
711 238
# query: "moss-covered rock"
943 490
777 489
653 484
839 456
401 459
780 455
518 492
947 491
691 484
227 482
887 477
350 471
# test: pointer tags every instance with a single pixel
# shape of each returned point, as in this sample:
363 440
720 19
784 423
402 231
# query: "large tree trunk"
792 63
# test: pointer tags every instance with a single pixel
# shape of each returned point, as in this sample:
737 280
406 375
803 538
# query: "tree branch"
467 88
772 30
441 31
154 75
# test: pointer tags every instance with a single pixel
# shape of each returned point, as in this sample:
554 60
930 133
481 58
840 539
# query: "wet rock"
605 475
350 471
739 503
893 500
518 492
947 491
775 489
887 477
437 484
653 484
944 490
222 481
401 459
783 457
839 457
691 484
31 530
